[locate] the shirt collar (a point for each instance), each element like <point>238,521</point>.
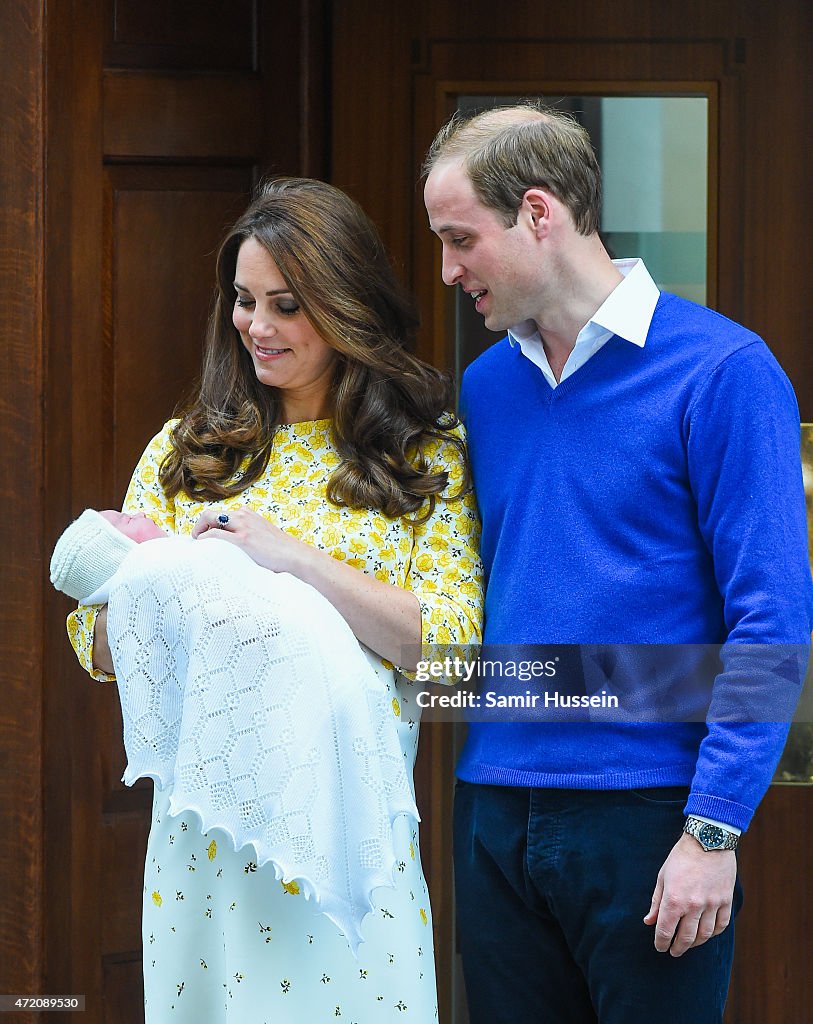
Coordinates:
<point>627,311</point>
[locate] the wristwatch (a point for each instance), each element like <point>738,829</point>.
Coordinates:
<point>711,837</point>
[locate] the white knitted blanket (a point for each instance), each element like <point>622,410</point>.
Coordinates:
<point>246,692</point>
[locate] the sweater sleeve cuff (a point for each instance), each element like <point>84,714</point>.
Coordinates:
<point>726,813</point>
<point>719,824</point>
<point>81,625</point>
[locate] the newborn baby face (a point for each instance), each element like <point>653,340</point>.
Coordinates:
<point>138,527</point>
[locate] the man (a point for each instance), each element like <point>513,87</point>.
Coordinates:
<point>636,463</point>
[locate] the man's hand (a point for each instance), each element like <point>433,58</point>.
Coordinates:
<point>693,896</point>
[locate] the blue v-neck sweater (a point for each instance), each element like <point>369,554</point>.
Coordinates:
<point>653,497</point>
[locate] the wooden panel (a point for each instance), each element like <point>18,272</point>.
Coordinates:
<point>372,101</point>
<point>172,116</point>
<point>588,20</point>
<point>124,990</point>
<point>181,34</point>
<point>159,304</point>
<point>124,840</point>
<point>21,469</point>
<point>772,982</point>
<point>776,211</point>
<point>73,420</point>
<point>118,798</point>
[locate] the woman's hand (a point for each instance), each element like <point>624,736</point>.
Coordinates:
<point>385,618</point>
<point>265,543</point>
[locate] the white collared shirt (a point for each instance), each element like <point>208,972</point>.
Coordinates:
<point>627,311</point>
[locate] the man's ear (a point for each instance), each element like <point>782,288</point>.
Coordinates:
<point>538,205</point>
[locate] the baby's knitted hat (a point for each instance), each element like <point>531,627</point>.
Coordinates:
<point>87,554</point>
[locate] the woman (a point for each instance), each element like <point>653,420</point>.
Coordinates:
<point>320,446</point>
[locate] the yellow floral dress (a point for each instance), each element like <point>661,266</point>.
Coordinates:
<point>224,941</point>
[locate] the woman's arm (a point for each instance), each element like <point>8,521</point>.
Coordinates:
<point>440,602</point>
<point>384,617</point>
<point>102,659</point>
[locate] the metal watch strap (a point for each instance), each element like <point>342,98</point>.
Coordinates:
<point>711,837</point>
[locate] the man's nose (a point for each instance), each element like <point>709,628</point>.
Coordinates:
<point>451,271</point>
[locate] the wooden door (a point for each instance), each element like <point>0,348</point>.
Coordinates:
<point>157,119</point>
<point>403,76</point>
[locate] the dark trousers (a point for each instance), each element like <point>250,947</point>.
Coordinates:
<point>552,886</point>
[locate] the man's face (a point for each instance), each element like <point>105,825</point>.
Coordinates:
<point>490,262</point>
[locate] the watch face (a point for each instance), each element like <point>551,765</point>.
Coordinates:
<point>711,835</point>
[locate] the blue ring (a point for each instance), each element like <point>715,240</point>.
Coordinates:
<point>222,520</point>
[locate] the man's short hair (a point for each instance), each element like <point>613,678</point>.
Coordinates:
<point>507,150</point>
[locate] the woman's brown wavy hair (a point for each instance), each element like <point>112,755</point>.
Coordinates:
<point>387,404</point>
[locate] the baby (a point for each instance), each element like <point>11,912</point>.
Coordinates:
<point>93,547</point>
<point>247,693</point>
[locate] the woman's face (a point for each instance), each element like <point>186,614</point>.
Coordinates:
<point>138,527</point>
<point>286,351</point>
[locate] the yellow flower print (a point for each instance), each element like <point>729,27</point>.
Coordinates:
<point>396,707</point>
<point>424,918</point>
<point>148,474</point>
<point>331,538</point>
<point>424,562</point>
<point>357,563</point>
<point>442,635</point>
<point>292,888</point>
<point>358,547</point>
<point>156,898</point>
<point>387,664</point>
<point>412,850</point>
<point>338,554</point>
<point>152,502</point>
<point>211,850</point>
<point>382,574</point>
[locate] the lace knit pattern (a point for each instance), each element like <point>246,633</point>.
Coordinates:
<point>246,694</point>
